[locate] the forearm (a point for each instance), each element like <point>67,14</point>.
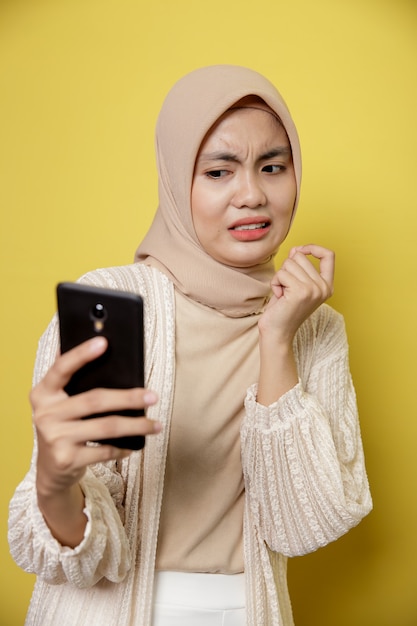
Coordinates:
<point>278,370</point>
<point>103,551</point>
<point>63,513</point>
<point>303,495</point>
<point>298,289</point>
<point>305,450</point>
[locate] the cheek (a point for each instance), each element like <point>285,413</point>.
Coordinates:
<point>288,196</point>
<point>204,205</point>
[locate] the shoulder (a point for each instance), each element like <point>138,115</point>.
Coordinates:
<point>156,289</point>
<point>135,278</point>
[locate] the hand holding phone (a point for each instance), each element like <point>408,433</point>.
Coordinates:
<point>85,312</point>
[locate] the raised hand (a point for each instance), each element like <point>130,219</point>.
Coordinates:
<point>62,434</point>
<point>298,289</point>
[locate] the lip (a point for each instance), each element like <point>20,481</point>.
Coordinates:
<point>254,233</point>
<point>244,221</point>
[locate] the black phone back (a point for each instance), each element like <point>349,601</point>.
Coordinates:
<point>86,312</point>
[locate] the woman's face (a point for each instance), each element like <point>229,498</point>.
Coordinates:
<point>244,188</point>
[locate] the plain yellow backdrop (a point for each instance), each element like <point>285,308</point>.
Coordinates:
<point>81,83</point>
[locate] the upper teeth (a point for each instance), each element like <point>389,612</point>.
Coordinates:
<point>250,226</point>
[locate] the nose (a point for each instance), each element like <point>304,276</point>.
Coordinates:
<point>249,192</point>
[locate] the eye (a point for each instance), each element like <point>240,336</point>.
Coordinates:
<point>273,169</point>
<point>216,173</point>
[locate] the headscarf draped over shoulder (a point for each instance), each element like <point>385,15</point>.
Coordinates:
<point>190,109</point>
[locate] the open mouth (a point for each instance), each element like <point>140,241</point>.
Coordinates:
<point>256,226</point>
<point>247,229</point>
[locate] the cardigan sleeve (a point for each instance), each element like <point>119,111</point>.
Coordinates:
<point>104,550</point>
<point>302,456</point>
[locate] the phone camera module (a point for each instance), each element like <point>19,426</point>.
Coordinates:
<point>99,312</point>
<point>98,315</point>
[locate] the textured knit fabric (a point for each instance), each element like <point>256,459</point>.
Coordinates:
<point>303,465</point>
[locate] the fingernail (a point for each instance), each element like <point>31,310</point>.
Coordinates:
<point>97,344</point>
<point>157,427</point>
<point>150,397</point>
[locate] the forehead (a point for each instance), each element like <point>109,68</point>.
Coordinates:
<point>240,125</point>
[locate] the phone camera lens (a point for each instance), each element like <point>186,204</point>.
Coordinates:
<point>98,311</point>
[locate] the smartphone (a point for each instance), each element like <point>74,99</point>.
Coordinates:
<point>85,312</point>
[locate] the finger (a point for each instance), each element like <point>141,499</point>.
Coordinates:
<point>300,268</point>
<point>67,364</point>
<point>70,461</point>
<point>90,455</point>
<point>97,402</point>
<point>295,272</point>
<point>324,255</point>
<point>64,440</point>
<point>277,287</point>
<point>116,426</point>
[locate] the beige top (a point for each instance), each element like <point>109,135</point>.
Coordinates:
<point>202,509</point>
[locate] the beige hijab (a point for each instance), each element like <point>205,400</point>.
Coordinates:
<point>190,109</point>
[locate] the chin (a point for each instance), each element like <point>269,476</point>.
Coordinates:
<point>247,263</point>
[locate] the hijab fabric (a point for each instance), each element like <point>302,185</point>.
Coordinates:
<point>190,109</point>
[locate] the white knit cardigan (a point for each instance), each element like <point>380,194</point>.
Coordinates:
<point>302,457</point>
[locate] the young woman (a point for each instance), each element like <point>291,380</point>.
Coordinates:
<point>253,451</point>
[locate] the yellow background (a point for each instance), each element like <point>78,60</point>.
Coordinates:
<point>81,83</point>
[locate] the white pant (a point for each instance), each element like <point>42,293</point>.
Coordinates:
<point>183,599</point>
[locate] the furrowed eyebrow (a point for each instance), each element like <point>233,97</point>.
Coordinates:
<point>230,157</point>
<point>218,156</point>
<point>275,152</point>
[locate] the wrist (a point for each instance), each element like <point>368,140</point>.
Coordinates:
<point>276,342</point>
<point>277,334</point>
<point>69,498</point>
<point>278,370</point>
<point>64,514</point>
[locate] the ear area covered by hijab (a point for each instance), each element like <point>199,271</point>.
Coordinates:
<point>190,109</point>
